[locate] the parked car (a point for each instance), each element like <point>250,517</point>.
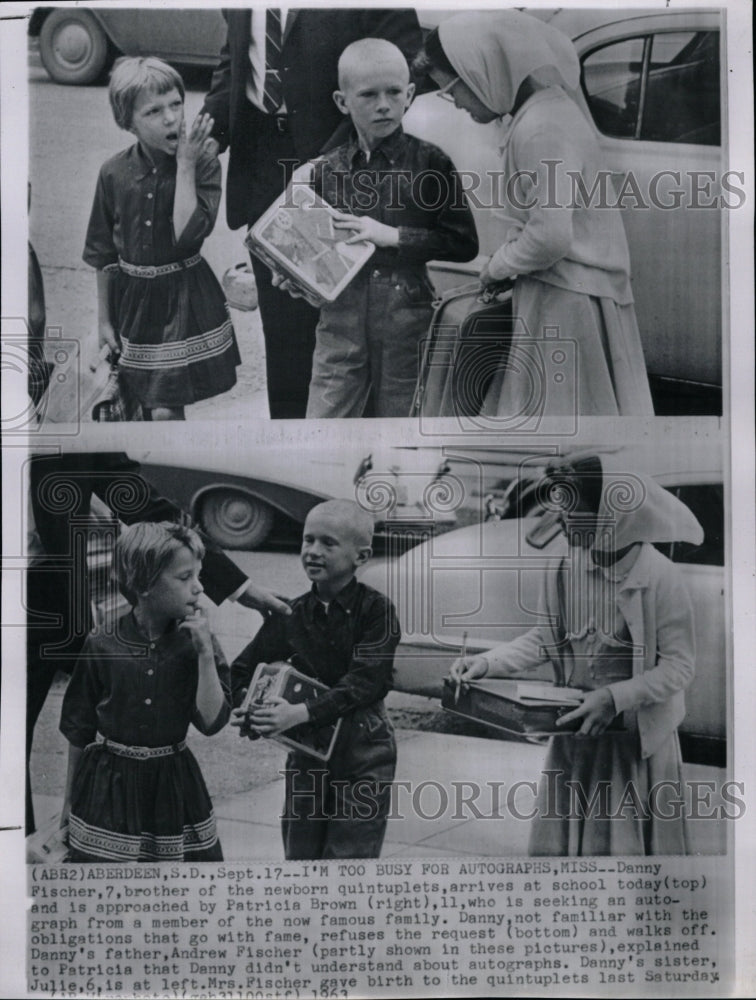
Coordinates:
<point>77,45</point>
<point>652,84</point>
<point>409,490</point>
<point>651,81</point>
<point>484,580</point>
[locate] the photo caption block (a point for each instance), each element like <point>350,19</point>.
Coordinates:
<point>372,929</point>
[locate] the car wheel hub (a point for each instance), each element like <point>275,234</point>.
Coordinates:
<point>237,514</point>
<point>73,45</point>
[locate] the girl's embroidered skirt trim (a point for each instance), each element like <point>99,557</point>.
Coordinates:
<point>129,809</point>
<point>177,340</point>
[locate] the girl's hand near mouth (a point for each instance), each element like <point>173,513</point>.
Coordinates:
<point>190,146</point>
<point>198,628</point>
<point>187,153</point>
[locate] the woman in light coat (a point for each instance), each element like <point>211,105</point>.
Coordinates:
<point>562,236</point>
<point>618,624</point>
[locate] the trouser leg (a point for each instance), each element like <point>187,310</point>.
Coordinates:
<point>340,809</point>
<point>340,370</point>
<point>289,332</point>
<point>304,822</point>
<point>399,319</point>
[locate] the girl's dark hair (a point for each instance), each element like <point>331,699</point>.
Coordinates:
<point>432,57</point>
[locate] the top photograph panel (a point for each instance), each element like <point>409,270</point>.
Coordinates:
<point>515,219</point>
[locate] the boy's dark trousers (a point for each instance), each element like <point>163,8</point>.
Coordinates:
<point>339,808</point>
<point>368,344</point>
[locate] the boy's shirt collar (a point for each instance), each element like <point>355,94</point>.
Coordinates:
<point>346,598</point>
<point>391,147</point>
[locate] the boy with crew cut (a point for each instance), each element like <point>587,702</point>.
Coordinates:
<point>403,195</point>
<point>344,634</point>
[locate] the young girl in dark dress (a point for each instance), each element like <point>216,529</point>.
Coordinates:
<point>159,303</point>
<point>137,794</point>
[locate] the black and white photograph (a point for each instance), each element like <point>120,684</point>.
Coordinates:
<point>596,167</point>
<point>409,653</point>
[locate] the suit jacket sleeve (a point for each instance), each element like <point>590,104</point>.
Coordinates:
<point>117,480</point>
<point>218,100</point>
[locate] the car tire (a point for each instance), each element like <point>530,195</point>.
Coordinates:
<point>236,520</point>
<point>73,47</point>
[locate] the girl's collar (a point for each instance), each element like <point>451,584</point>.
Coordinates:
<point>155,158</point>
<point>144,631</point>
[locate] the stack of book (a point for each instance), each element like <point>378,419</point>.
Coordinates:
<point>522,708</point>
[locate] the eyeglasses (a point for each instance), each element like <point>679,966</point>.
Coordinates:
<point>445,93</point>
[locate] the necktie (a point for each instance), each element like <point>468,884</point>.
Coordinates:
<point>272,89</point>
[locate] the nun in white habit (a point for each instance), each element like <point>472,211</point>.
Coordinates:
<point>566,249</point>
<point>617,623</point>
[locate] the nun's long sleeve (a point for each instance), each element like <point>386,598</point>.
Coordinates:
<point>558,208</point>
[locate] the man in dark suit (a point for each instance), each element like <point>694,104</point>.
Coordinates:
<point>59,614</point>
<point>271,99</point>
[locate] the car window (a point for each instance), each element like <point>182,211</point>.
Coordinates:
<point>612,83</point>
<point>681,102</point>
<point>706,500</point>
<point>662,87</point>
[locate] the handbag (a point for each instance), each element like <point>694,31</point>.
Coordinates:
<point>115,403</point>
<point>238,283</point>
<point>49,845</point>
<point>468,341</point>
<point>79,392</point>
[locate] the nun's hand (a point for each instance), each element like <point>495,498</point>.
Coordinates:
<point>596,710</point>
<point>493,274</point>
<point>468,668</point>
<point>485,276</point>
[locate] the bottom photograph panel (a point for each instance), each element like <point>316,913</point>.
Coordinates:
<point>348,721</point>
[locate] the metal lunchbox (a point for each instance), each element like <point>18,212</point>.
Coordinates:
<point>282,680</point>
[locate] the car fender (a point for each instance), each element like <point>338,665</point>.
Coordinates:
<point>40,14</point>
<point>188,487</point>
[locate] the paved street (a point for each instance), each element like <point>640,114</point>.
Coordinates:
<point>72,133</point>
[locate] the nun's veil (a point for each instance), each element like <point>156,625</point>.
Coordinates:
<point>493,52</point>
<point>632,507</point>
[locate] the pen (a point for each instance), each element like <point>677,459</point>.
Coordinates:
<point>463,658</point>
